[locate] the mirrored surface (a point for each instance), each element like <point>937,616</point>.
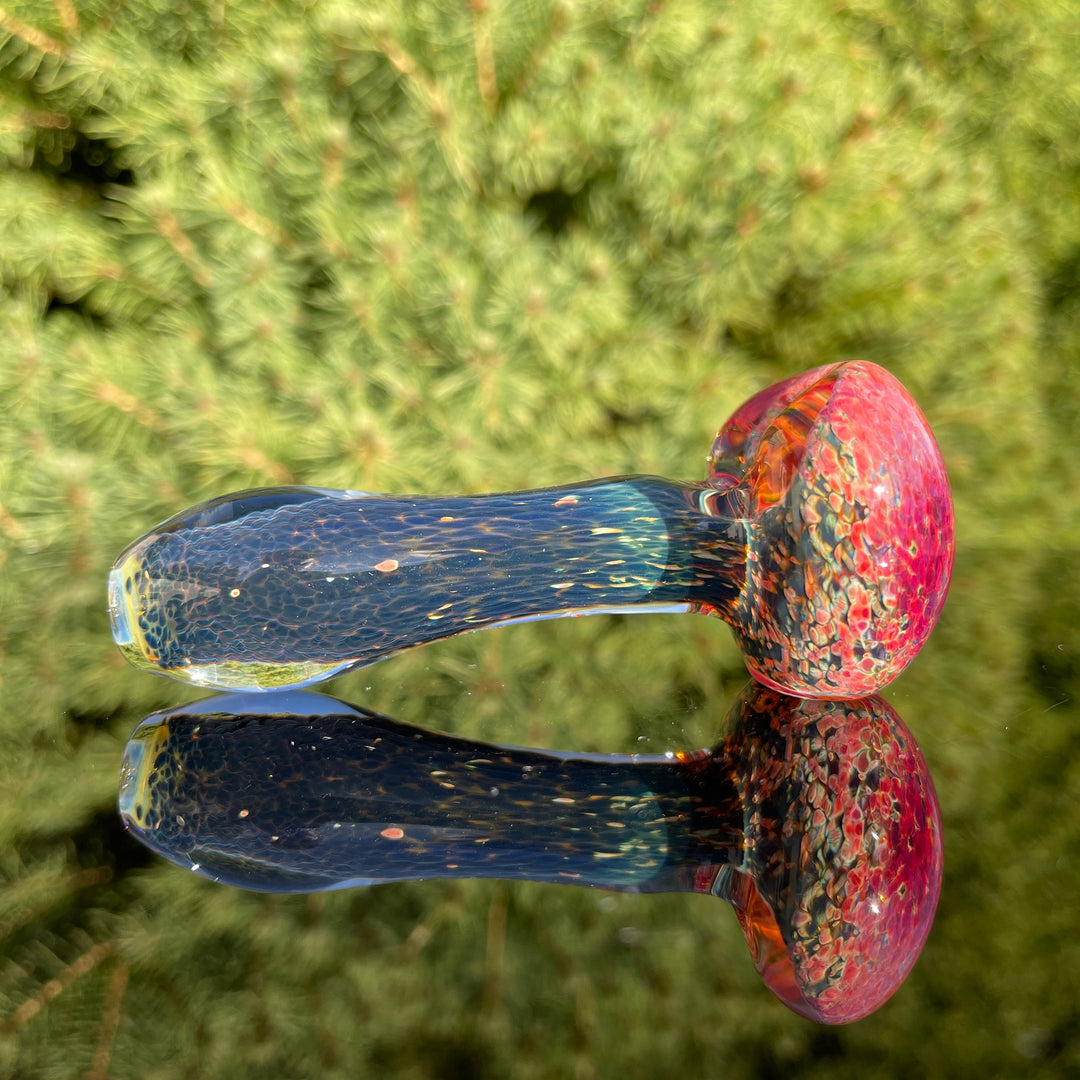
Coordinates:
<point>817,820</point>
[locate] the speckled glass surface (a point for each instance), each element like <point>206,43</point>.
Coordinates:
<point>817,820</point>
<point>824,536</point>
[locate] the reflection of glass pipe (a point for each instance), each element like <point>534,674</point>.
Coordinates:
<point>824,536</point>
<point>817,820</point>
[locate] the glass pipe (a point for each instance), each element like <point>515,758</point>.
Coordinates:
<point>817,820</point>
<point>823,535</point>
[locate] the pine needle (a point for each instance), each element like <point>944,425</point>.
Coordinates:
<point>79,967</point>
<point>37,38</point>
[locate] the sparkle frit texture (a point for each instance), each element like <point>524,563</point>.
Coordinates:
<point>844,843</point>
<point>823,535</point>
<point>851,543</point>
<point>817,820</point>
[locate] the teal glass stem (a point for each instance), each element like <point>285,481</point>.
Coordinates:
<point>291,586</point>
<point>823,534</point>
<point>816,820</point>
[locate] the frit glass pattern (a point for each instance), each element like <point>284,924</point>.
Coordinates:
<point>817,820</point>
<point>823,535</point>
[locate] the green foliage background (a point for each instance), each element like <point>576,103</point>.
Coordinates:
<point>448,246</point>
